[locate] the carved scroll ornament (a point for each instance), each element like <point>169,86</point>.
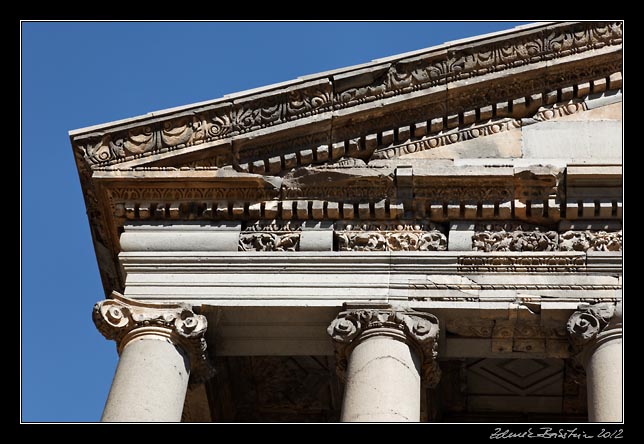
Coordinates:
<point>123,320</point>
<point>421,330</point>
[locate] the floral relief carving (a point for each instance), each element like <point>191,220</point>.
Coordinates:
<point>272,235</point>
<point>266,241</point>
<point>390,237</point>
<point>590,240</point>
<point>514,241</point>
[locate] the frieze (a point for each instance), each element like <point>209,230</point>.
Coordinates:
<point>497,237</point>
<point>269,241</point>
<point>590,241</point>
<point>390,237</point>
<point>272,235</point>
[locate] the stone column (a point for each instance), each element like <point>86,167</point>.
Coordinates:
<point>596,332</point>
<point>383,355</point>
<point>160,346</point>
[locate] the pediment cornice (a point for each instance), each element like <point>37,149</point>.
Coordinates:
<point>331,146</point>
<point>450,83</point>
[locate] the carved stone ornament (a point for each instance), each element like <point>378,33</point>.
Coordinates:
<point>271,236</point>
<point>122,320</point>
<point>390,237</point>
<point>513,238</point>
<point>263,241</point>
<point>421,330</point>
<point>586,323</point>
<point>590,240</point>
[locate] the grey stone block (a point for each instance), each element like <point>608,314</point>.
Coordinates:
<point>573,140</point>
<point>460,236</point>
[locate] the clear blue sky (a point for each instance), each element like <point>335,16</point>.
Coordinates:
<point>80,74</point>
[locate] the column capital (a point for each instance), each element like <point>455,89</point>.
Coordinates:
<point>125,320</point>
<point>418,329</point>
<point>592,325</point>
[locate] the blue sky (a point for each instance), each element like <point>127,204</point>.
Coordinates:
<point>76,74</point>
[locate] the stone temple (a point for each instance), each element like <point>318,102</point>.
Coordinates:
<point>434,236</point>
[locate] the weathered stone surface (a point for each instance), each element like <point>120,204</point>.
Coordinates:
<point>501,145</point>
<point>573,139</point>
<point>480,181</point>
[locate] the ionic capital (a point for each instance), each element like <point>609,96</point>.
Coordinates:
<point>418,329</point>
<point>592,325</point>
<point>125,320</point>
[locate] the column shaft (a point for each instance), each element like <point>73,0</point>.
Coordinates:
<point>150,383</point>
<point>604,380</point>
<point>383,381</point>
<point>383,354</point>
<point>596,330</point>
<point>160,345</point>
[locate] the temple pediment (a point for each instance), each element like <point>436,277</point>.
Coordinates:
<point>451,132</point>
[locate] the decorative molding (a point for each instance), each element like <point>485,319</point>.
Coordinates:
<point>519,264</point>
<point>474,60</point>
<point>270,236</point>
<point>449,137</point>
<point>269,241</point>
<point>514,241</point>
<point>356,189</point>
<point>517,286</point>
<point>390,237</point>
<point>224,119</point>
<point>220,192</point>
<point>524,237</point>
<point>421,330</point>
<point>328,120</point>
<point>590,241</point>
<point>122,320</point>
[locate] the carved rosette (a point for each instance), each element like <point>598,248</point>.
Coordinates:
<point>123,320</point>
<point>420,329</point>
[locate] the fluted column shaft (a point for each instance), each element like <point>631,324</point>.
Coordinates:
<point>159,345</point>
<point>383,356</point>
